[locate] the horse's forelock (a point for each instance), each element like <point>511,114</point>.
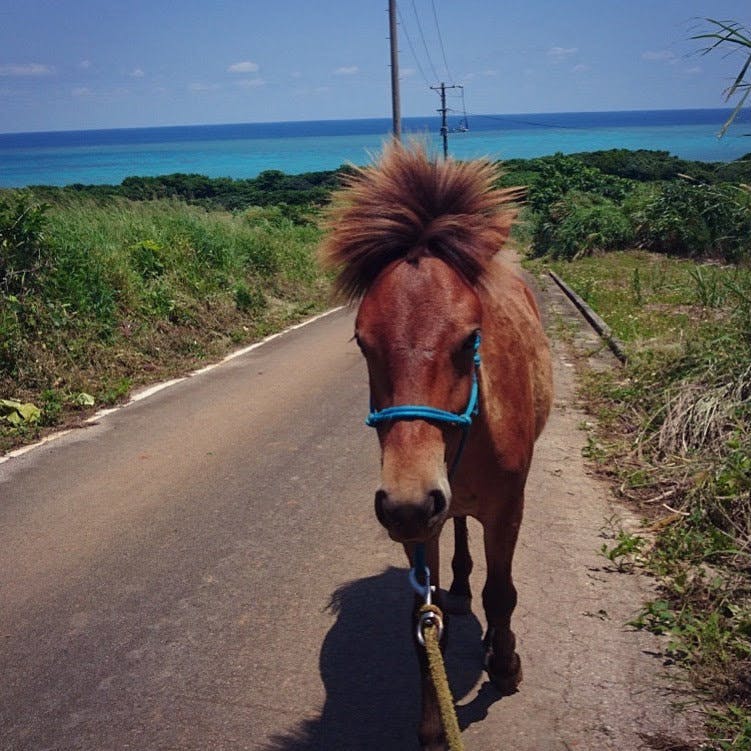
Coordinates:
<point>405,206</point>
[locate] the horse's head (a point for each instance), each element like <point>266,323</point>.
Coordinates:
<point>412,238</point>
<point>417,326</point>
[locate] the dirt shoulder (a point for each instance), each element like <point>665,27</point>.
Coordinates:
<point>591,681</point>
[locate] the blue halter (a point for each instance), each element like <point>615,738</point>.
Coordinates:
<point>421,412</point>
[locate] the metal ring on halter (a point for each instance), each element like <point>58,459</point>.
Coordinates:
<point>429,619</point>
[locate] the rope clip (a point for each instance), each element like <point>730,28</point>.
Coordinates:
<point>430,615</point>
<point>429,618</point>
<point>422,590</point>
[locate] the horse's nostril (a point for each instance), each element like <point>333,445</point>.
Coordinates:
<point>380,498</point>
<point>438,500</point>
<point>407,518</point>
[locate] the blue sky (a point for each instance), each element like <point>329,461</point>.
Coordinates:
<point>78,64</point>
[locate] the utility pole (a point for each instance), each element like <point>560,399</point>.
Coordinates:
<point>443,110</point>
<point>396,116</point>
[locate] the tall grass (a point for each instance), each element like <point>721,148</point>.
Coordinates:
<point>101,294</point>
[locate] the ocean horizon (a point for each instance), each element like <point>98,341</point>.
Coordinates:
<point>244,150</point>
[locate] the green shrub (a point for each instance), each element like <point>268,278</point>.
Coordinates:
<point>79,280</point>
<point>23,244</point>
<point>580,223</point>
<point>148,258</point>
<point>560,174</point>
<point>697,220</point>
<point>574,208</point>
<point>247,299</point>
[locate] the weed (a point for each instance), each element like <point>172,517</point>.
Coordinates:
<point>709,290</point>
<point>593,449</point>
<point>657,617</point>
<point>626,552</point>
<point>112,392</point>
<point>636,286</point>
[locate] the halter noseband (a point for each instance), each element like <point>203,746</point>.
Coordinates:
<point>421,412</point>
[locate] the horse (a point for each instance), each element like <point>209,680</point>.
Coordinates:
<point>415,242</point>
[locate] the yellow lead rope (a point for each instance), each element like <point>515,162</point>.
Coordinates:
<point>440,681</point>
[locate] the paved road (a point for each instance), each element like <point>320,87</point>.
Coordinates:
<point>202,570</point>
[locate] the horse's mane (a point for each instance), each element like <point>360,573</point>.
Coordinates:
<point>406,206</point>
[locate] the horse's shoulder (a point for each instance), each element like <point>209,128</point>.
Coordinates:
<point>511,321</point>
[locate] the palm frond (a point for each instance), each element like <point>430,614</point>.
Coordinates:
<point>730,33</point>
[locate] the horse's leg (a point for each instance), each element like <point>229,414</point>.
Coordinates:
<point>499,600</point>
<point>459,598</point>
<point>430,733</point>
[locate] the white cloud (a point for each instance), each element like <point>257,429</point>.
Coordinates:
<point>295,74</point>
<point>558,54</point>
<point>84,64</point>
<point>488,73</point>
<point>202,87</point>
<point>406,72</point>
<point>26,69</point>
<point>665,56</point>
<point>251,83</point>
<point>347,70</point>
<point>82,91</point>
<point>694,71</point>
<point>137,73</point>
<point>580,68</point>
<point>244,66</point>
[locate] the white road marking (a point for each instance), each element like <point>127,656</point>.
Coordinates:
<point>145,393</point>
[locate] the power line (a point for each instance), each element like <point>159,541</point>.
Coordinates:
<point>412,49</point>
<point>440,39</point>
<point>424,43</point>
<point>528,122</point>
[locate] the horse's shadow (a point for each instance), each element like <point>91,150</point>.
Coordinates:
<point>369,670</point>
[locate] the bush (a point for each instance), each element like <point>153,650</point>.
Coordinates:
<point>575,208</point>
<point>23,245</point>
<point>560,174</point>
<point>697,220</point>
<point>580,223</point>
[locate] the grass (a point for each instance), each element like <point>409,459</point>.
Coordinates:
<point>103,295</point>
<point>673,433</point>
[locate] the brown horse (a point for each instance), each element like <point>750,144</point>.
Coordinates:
<point>415,242</point>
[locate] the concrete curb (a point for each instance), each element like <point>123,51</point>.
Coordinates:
<point>593,319</point>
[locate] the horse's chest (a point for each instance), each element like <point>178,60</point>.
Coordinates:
<point>464,503</point>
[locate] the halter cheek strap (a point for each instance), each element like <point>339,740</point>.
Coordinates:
<point>433,414</point>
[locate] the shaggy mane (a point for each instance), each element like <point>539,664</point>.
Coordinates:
<point>406,206</point>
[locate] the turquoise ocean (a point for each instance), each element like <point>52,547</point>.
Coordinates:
<point>246,150</point>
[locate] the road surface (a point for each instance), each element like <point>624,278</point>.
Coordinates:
<point>203,570</point>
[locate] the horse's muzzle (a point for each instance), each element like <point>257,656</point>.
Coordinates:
<point>410,521</point>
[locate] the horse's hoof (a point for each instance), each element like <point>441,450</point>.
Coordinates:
<point>508,679</point>
<point>455,604</point>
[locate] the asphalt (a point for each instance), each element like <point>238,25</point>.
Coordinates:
<point>203,570</point>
